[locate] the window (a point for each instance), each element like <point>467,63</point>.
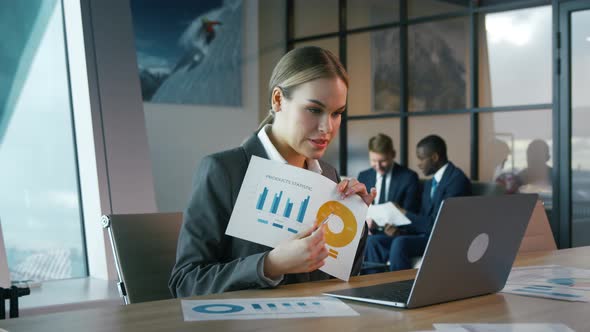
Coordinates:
<point>515,52</point>
<point>364,13</point>
<point>438,62</point>
<point>359,133</point>
<point>373,65</point>
<point>518,158</point>
<point>40,206</point>
<point>454,129</point>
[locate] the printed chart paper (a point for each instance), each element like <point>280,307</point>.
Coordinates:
<point>550,281</point>
<point>278,201</point>
<point>265,308</point>
<point>387,214</point>
<point>516,327</point>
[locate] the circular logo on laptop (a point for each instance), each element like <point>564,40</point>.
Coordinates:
<point>478,247</point>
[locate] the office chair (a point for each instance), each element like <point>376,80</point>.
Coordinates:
<point>144,248</point>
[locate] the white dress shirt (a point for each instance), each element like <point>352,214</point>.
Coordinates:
<point>387,184</point>
<point>439,174</point>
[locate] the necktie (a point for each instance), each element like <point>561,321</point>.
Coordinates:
<point>433,187</point>
<point>382,192</point>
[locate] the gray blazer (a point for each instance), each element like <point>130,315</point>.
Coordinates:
<point>207,260</point>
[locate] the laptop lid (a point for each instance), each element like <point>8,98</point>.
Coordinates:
<point>470,252</point>
<point>471,248</point>
<point>4,272</point>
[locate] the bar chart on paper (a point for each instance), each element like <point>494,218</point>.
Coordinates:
<point>265,308</point>
<point>282,209</point>
<point>278,202</point>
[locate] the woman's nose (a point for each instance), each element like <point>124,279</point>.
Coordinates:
<point>326,124</point>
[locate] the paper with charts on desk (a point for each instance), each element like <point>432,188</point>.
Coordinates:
<point>278,201</point>
<point>265,308</point>
<point>514,327</point>
<point>550,281</point>
<point>387,213</point>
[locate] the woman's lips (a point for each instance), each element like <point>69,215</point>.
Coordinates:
<point>319,143</point>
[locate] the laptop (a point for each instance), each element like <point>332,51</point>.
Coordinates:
<point>470,252</point>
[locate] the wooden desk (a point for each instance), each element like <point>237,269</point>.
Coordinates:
<point>496,308</point>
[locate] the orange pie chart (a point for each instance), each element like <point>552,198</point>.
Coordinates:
<point>349,230</point>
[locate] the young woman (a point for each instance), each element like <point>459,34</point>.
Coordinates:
<point>308,90</point>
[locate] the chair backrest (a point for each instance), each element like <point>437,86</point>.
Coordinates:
<point>144,247</point>
<point>538,235</point>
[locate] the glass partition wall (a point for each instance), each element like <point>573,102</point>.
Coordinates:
<point>477,73</point>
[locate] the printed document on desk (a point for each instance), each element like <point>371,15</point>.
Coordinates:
<point>515,327</point>
<point>387,213</point>
<point>265,308</point>
<point>278,201</point>
<point>550,281</point>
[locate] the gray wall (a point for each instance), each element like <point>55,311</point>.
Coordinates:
<point>180,135</point>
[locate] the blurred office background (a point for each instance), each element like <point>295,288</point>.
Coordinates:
<point>503,82</point>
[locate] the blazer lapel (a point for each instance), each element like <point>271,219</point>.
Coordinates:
<point>442,185</point>
<point>254,147</point>
<point>392,187</point>
<point>372,180</point>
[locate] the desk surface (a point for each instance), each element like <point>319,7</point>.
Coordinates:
<point>496,308</point>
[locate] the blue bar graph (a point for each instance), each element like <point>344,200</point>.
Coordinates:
<point>286,307</point>
<point>288,208</point>
<point>261,199</point>
<point>275,202</point>
<point>302,209</point>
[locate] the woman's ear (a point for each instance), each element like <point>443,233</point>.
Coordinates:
<point>276,99</point>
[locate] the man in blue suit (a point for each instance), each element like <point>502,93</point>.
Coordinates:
<point>410,240</point>
<point>393,182</point>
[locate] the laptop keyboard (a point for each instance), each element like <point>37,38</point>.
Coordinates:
<point>399,292</point>
<point>393,292</point>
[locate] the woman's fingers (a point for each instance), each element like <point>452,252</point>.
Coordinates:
<point>305,233</point>
<point>342,185</point>
<point>373,195</point>
<point>352,186</point>
<point>318,235</point>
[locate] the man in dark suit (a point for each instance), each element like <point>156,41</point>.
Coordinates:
<point>410,240</point>
<point>394,182</point>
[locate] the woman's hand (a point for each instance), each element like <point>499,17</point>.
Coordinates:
<point>304,253</point>
<point>353,186</point>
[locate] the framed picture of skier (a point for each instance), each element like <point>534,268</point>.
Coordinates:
<point>189,52</point>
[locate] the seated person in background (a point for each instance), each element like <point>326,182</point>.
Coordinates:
<point>307,93</point>
<point>536,177</point>
<point>393,182</point>
<point>410,241</point>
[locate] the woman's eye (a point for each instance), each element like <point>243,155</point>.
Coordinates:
<point>337,114</point>
<point>314,110</point>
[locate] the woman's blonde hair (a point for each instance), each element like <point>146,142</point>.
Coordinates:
<point>302,65</point>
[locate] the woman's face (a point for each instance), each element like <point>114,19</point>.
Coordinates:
<point>310,119</point>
